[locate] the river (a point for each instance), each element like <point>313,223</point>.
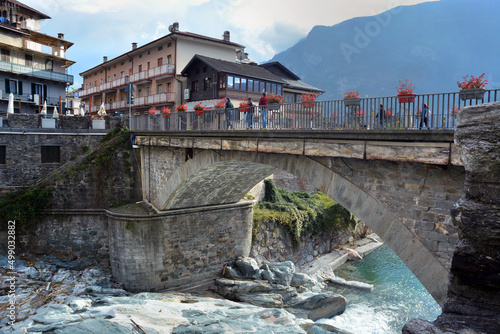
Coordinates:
<point>397,296</point>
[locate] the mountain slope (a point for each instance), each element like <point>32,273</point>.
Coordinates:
<point>432,44</point>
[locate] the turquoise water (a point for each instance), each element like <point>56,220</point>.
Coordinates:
<point>397,296</point>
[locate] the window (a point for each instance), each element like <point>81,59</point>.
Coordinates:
<point>230,82</point>
<point>122,63</point>
<point>140,68</point>
<point>206,84</point>
<point>50,154</point>
<point>28,60</point>
<point>122,74</point>
<point>139,93</point>
<point>149,65</point>
<point>160,48</point>
<point>159,89</point>
<point>149,52</point>
<point>250,85</point>
<point>5,55</point>
<point>169,87</point>
<point>222,81</point>
<point>140,56</point>
<point>243,84</point>
<point>169,59</point>
<point>273,87</point>
<point>195,86</point>
<point>268,87</point>
<point>13,86</point>
<point>204,69</point>
<point>160,62</point>
<point>236,83</point>
<point>169,44</point>
<point>3,150</point>
<point>256,86</point>
<point>148,91</point>
<point>280,87</point>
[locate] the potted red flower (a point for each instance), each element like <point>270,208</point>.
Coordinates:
<point>153,111</point>
<point>472,88</point>
<point>219,106</point>
<point>244,106</point>
<point>308,100</point>
<point>405,92</point>
<point>198,109</point>
<point>165,111</point>
<point>274,101</point>
<point>182,107</point>
<point>352,99</point>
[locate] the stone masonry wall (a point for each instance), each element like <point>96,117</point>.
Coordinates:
<point>23,155</point>
<point>163,251</point>
<point>273,244</point>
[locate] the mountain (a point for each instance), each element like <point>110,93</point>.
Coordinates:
<point>433,44</point>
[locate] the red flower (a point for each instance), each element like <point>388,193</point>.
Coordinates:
<point>406,87</point>
<point>473,82</point>
<point>351,94</point>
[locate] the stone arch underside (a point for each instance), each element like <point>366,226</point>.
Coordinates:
<point>214,177</point>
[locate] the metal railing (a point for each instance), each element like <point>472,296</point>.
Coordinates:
<point>35,72</point>
<point>361,113</point>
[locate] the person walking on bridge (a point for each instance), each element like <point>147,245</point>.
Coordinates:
<point>229,112</point>
<point>424,116</point>
<point>263,110</point>
<point>250,113</point>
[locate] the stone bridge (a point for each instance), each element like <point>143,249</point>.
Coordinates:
<point>401,184</point>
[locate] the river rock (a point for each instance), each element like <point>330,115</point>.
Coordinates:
<point>247,267</point>
<point>322,305</point>
<point>283,270</point>
<point>268,300</point>
<point>473,303</point>
<point>238,290</point>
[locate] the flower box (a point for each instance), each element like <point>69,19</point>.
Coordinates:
<point>198,113</point>
<point>472,94</point>
<point>273,106</point>
<point>308,104</point>
<point>352,101</point>
<point>406,98</point>
<point>219,110</point>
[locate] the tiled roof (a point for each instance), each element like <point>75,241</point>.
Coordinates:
<point>297,84</point>
<point>230,67</point>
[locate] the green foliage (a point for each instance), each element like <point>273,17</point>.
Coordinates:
<point>301,213</point>
<point>24,206</point>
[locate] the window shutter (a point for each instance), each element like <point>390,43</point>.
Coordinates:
<point>7,86</point>
<point>20,87</point>
<point>33,89</point>
<point>44,93</point>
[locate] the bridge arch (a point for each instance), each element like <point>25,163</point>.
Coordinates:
<point>221,177</point>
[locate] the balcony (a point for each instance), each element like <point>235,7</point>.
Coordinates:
<point>153,73</point>
<point>138,102</point>
<point>115,84</point>
<point>35,72</point>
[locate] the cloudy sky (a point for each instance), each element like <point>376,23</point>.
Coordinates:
<point>265,27</point>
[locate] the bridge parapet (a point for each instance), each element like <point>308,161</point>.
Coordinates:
<point>405,146</point>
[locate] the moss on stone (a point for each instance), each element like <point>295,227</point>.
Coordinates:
<point>301,213</point>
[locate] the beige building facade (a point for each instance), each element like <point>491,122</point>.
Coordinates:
<point>154,70</point>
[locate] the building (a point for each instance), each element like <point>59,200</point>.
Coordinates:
<point>211,79</point>
<point>293,88</point>
<point>32,64</point>
<point>154,70</point>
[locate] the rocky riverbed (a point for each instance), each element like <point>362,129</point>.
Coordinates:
<point>68,295</point>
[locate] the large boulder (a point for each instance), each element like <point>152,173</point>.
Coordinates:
<point>283,270</point>
<point>248,267</point>
<point>473,303</point>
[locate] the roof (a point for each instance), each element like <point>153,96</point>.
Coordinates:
<point>297,84</point>
<point>172,35</point>
<point>230,67</point>
<point>281,67</point>
<point>28,8</point>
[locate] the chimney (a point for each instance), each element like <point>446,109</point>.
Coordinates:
<point>174,27</point>
<point>134,46</point>
<point>60,35</point>
<point>104,59</point>
<point>226,36</point>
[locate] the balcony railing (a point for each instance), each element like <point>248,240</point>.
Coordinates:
<point>168,69</point>
<point>35,72</point>
<point>164,70</point>
<point>151,100</point>
<point>334,115</point>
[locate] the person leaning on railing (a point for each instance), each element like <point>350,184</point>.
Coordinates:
<point>229,112</point>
